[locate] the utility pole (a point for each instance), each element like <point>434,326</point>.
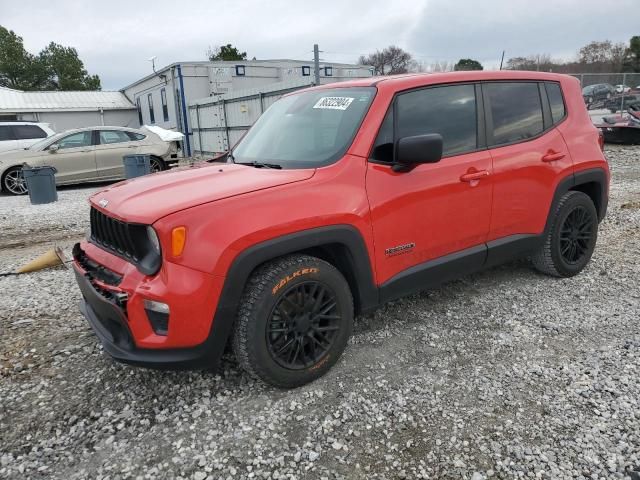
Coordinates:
<point>502,60</point>
<point>316,63</point>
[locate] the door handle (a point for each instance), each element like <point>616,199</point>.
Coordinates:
<point>552,156</point>
<point>132,146</point>
<point>471,176</point>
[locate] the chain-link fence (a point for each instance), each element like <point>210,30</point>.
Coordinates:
<point>610,92</point>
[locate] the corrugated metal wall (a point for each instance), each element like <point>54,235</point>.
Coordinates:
<point>219,124</point>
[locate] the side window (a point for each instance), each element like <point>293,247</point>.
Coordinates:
<point>113,136</point>
<point>25,132</point>
<point>6,133</point>
<point>152,118</point>
<point>135,136</point>
<point>139,107</point>
<point>80,139</point>
<point>554,93</point>
<point>165,108</point>
<point>516,110</point>
<point>383,146</point>
<point>448,110</point>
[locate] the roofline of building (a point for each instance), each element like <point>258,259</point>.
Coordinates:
<point>234,62</point>
<point>39,109</point>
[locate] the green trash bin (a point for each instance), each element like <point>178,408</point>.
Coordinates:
<point>136,165</point>
<point>41,184</point>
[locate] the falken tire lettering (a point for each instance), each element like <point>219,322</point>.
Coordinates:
<point>288,278</point>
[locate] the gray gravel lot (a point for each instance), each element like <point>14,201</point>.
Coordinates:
<point>503,374</point>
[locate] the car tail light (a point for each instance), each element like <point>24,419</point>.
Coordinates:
<point>601,139</point>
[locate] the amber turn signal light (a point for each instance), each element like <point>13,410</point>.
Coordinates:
<point>178,239</point>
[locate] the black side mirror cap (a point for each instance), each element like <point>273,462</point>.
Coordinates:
<point>417,149</point>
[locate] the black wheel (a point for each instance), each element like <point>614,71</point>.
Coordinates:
<point>156,165</point>
<point>13,182</point>
<point>294,320</point>
<point>571,239</point>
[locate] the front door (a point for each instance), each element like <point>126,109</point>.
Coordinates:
<point>433,210</point>
<point>74,158</point>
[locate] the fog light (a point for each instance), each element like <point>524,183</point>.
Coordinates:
<point>158,315</point>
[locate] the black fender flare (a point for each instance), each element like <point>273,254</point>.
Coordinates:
<point>246,261</point>
<point>592,175</point>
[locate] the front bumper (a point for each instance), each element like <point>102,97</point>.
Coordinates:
<point>115,313</point>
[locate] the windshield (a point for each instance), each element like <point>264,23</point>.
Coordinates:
<point>41,144</point>
<point>306,130</point>
<point>589,89</point>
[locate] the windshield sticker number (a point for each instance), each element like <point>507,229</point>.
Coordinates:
<point>334,103</point>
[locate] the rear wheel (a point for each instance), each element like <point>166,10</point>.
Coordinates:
<point>294,321</point>
<point>13,182</point>
<point>156,165</point>
<point>571,239</point>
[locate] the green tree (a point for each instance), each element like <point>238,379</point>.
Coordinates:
<point>65,71</point>
<point>632,56</point>
<point>467,64</point>
<point>225,52</point>
<point>54,68</point>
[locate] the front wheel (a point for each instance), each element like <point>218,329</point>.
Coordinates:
<point>571,239</point>
<point>13,182</point>
<point>294,320</point>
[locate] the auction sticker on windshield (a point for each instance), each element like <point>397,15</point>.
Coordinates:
<point>334,103</point>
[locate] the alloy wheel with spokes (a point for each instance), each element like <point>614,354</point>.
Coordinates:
<point>576,234</point>
<point>303,325</point>
<point>14,182</point>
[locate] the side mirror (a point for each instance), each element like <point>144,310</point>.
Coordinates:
<point>417,149</point>
<point>53,148</point>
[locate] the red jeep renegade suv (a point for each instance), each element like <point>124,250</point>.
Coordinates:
<point>338,199</point>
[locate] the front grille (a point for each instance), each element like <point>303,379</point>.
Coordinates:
<point>114,235</point>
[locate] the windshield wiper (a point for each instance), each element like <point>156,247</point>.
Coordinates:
<point>260,165</point>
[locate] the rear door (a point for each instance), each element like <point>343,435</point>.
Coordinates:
<point>111,146</point>
<point>27,135</point>
<point>529,154</point>
<point>74,160</point>
<point>7,138</point>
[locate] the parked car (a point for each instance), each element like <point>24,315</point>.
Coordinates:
<point>86,155</point>
<point>338,199</point>
<point>20,135</point>
<point>599,92</point>
<point>622,88</point>
<point>621,102</point>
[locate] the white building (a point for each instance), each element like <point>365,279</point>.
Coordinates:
<point>67,110</point>
<point>163,98</point>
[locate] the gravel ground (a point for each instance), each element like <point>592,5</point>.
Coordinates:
<point>503,374</point>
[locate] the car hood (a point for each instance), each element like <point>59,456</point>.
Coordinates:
<point>149,198</point>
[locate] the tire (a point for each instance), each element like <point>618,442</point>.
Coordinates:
<point>570,241</point>
<point>13,182</point>
<point>157,165</point>
<point>280,335</point>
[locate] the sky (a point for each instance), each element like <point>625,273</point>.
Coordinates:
<point>115,39</point>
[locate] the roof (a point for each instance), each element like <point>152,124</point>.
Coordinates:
<point>411,80</point>
<point>258,63</point>
<point>72,101</point>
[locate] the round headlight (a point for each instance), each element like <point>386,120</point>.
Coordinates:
<point>153,239</point>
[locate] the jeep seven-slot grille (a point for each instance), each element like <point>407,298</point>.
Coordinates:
<point>113,234</point>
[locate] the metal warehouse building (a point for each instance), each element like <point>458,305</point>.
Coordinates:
<point>164,97</point>
<point>66,110</point>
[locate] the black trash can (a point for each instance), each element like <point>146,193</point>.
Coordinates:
<point>136,165</point>
<point>41,184</point>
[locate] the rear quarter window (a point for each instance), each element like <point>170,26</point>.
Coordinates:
<point>556,102</point>
<point>26,132</point>
<point>6,133</point>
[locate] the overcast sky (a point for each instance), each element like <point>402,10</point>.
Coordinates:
<point>116,38</point>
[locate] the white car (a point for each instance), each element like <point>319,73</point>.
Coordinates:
<point>623,88</point>
<point>21,135</point>
<point>93,154</point>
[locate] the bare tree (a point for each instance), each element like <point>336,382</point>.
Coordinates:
<point>390,61</point>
